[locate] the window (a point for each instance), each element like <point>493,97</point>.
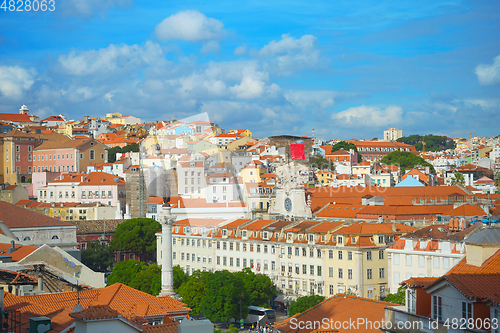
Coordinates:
<point>466,310</point>
<point>411,301</point>
<point>304,252</point>
<point>437,307</point>
<point>408,260</point>
<point>319,253</point>
<point>436,262</point>
<point>349,255</point>
<point>381,254</point>
<point>297,251</point>
<point>421,261</point>
<point>396,259</point>
<point>304,269</point>
<point>349,273</point>
<point>341,273</point>
<point>330,271</point>
<point>237,262</point>
<point>92,154</point>
<point>340,254</point>
<point>369,255</point>
<point>369,274</point>
<point>381,273</point>
<point>330,254</point>
<point>218,260</point>
<point>311,269</point>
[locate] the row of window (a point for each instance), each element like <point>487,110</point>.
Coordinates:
<point>369,273</point>
<point>421,261</point>
<point>95,194</point>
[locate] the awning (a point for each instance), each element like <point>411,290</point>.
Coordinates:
<point>280,298</point>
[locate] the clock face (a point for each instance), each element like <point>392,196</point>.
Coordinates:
<point>288,204</point>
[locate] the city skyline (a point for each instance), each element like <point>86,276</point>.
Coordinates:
<point>346,70</point>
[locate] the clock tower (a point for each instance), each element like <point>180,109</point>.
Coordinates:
<point>290,193</point>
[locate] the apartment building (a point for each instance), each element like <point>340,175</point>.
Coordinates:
<point>95,187</point>
<point>429,252</point>
<point>300,257</point>
<point>191,179</point>
<point>376,150</point>
<point>68,155</point>
<point>392,134</point>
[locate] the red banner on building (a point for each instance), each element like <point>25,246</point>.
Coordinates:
<point>297,151</point>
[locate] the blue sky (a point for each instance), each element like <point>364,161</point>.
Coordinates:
<point>348,69</point>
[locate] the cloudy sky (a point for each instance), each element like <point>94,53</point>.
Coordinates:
<point>348,69</point>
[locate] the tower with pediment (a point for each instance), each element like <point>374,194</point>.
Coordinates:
<point>290,192</point>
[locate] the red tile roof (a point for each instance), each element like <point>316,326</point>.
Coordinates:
<point>338,308</point>
<point>18,217</point>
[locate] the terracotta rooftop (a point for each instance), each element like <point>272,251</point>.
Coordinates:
<point>338,308</point>
<point>18,217</point>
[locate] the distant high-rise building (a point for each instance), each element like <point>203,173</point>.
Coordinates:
<point>392,134</point>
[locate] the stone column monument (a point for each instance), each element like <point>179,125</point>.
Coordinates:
<point>167,273</point>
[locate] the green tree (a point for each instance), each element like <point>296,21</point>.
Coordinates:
<point>398,297</point>
<point>304,303</point>
<point>193,291</point>
<point>180,277</point>
<point>138,275</point>
<point>125,272</point>
<point>458,178</point>
<point>432,142</point>
<point>405,159</point>
<point>321,163</point>
<point>259,287</point>
<point>347,146</point>
<point>136,235</point>
<point>223,294</point>
<point>148,280</point>
<point>98,257</point>
<point>133,147</point>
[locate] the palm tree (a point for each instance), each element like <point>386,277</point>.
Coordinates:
<point>458,178</point>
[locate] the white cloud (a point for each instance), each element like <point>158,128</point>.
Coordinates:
<point>15,80</point>
<point>287,44</point>
<point>209,47</point>
<point>251,86</point>
<point>88,8</point>
<point>291,55</point>
<point>308,99</point>
<point>240,50</point>
<point>190,25</point>
<point>369,116</point>
<point>80,94</point>
<point>488,75</point>
<point>112,58</point>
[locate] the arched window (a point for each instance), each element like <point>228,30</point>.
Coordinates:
<point>55,237</point>
<point>27,238</point>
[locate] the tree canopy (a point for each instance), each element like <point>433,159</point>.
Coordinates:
<point>133,147</point>
<point>138,275</point>
<point>321,163</point>
<point>398,297</point>
<point>347,146</point>
<point>193,291</point>
<point>432,142</point>
<point>259,287</point>
<point>405,159</point>
<point>180,277</point>
<point>98,257</point>
<point>223,294</point>
<point>304,303</point>
<point>136,235</point>
<point>458,178</point>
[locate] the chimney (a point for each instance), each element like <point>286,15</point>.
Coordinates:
<point>12,247</point>
<point>86,118</point>
<point>381,220</point>
<point>394,227</point>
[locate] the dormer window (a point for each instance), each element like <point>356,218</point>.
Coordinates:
<point>289,236</point>
<point>380,239</point>
<point>340,239</point>
<point>224,232</point>
<point>310,238</point>
<point>264,235</point>
<point>176,229</point>
<point>323,237</point>
<point>243,233</point>
<point>195,230</point>
<point>255,233</point>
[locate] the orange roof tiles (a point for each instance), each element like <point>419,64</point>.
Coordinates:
<point>18,217</point>
<point>466,210</point>
<point>489,266</point>
<point>21,251</point>
<point>338,308</point>
<point>257,225</point>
